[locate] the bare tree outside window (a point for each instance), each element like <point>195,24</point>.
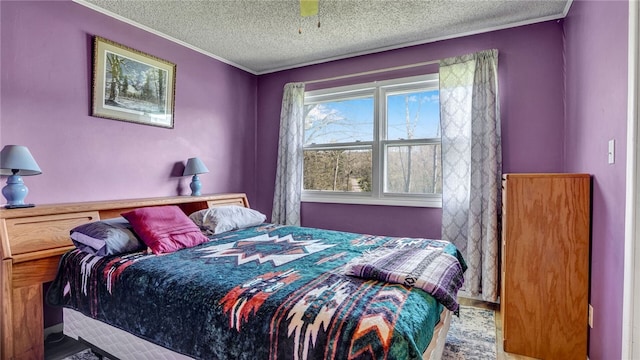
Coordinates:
<point>381,139</point>
<point>413,167</point>
<point>335,158</point>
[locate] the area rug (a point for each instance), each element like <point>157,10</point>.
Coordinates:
<point>83,355</point>
<point>471,336</point>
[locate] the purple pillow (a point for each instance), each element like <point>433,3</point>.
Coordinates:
<point>165,229</point>
<point>106,237</point>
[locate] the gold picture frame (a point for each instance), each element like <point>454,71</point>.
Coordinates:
<point>130,85</point>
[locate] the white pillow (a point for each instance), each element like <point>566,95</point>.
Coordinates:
<point>219,219</point>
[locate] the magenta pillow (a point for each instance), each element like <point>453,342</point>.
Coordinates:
<point>164,229</point>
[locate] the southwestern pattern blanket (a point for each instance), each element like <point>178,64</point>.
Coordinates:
<point>266,292</point>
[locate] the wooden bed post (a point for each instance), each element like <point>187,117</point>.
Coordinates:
<point>6,322</point>
<point>28,322</point>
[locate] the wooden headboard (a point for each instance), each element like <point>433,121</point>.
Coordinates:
<point>31,243</point>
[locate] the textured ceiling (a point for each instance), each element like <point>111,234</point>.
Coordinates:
<point>262,36</point>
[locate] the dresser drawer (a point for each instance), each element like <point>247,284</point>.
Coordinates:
<point>44,232</point>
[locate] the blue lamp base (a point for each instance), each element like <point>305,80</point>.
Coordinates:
<point>195,185</point>
<point>15,191</point>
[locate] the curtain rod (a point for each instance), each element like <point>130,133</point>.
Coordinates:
<point>372,72</point>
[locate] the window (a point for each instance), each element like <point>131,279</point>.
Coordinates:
<point>374,143</point>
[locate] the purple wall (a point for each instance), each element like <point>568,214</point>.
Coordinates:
<point>596,110</point>
<point>45,94</point>
<point>46,91</point>
<point>531,91</point>
<point>45,63</point>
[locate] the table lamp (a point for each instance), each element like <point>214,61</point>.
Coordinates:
<point>15,161</point>
<point>194,167</point>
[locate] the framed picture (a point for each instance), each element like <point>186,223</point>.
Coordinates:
<point>130,85</point>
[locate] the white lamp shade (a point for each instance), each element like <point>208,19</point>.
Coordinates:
<point>194,166</point>
<point>18,157</point>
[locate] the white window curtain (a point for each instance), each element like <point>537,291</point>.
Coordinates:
<point>472,166</point>
<point>286,197</point>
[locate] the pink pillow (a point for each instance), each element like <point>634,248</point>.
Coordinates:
<point>164,229</point>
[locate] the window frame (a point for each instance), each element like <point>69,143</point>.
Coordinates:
<point>378,90</point>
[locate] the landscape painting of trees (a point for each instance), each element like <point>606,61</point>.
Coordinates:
<point>132,86</point>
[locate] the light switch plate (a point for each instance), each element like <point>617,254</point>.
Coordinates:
<point>612,151</point>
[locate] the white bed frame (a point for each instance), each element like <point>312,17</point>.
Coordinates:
<point>116,343</point>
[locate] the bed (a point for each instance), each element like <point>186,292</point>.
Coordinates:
<point>262,291</point>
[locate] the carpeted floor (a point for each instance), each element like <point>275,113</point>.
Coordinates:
<point>472,335</point>
<point>83,355</point>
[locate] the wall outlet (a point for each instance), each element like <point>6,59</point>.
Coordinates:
<point>612,151</point>
<point>590,316</point>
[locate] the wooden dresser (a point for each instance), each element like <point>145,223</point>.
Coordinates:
<point>31,243</point>
<point>545,265</point>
